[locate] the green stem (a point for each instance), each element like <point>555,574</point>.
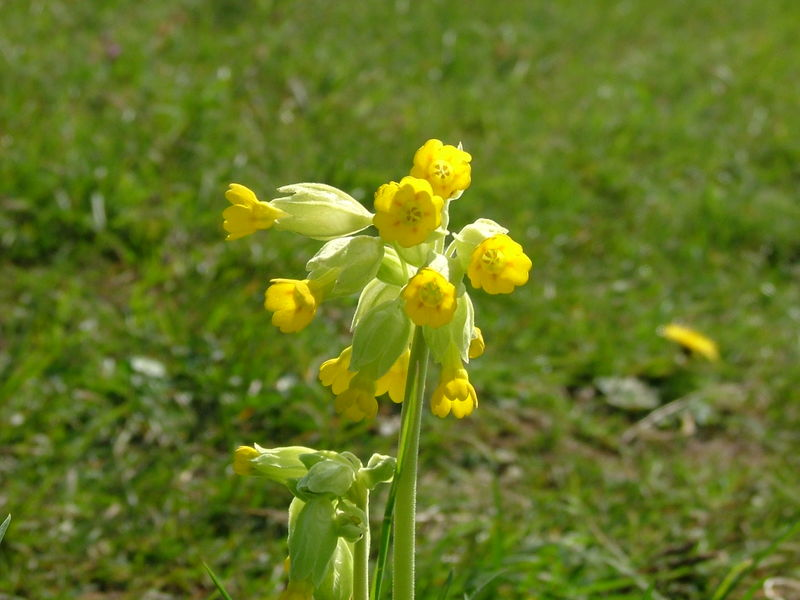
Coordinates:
<point>406,477</point>
<point>418,356</point>
<point>361,559</point>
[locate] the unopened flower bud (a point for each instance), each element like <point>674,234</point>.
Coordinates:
<point>277,464</point>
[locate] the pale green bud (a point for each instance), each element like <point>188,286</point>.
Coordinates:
<point>320,211</point>
<point>375,292</point>
<point>457,334</point>
<point>277,464</point>
<point>380,337</point>
<point>352,261</point>
<point>330,476</point>
<point>312,541</point>
<point>379,469</point>
<point>416,255</point>
<point>466,240</point>
<point>391,269</point>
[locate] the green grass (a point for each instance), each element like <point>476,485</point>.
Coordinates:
<point>646,156</point>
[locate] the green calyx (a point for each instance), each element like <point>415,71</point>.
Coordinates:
<point>351,262</point>
<point>320,211</point>
<point>380,337</point>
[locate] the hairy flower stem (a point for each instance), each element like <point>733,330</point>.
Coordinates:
<point>361,559</point>
<point>406,476</point>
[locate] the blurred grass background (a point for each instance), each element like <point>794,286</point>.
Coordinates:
<point>645,154</point>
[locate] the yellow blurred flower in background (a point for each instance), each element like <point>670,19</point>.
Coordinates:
<point>691,340</point>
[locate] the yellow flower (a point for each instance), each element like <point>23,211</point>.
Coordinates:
<point>454,393</point>
<point>358,400</point>
<point>430,298</point>
<point>498,264</point>
<point>476,345</point>
<point>393,381</point>
<point>335,372</point>
<point>407,212</point>
<point>445,167</point>
<point>691,340</point>
<point>242,460</point>
<point>293,302</point>
<point>248,213</point>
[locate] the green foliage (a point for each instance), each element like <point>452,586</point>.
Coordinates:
<point>644,154</point>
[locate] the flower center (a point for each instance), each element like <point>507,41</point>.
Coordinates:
<point>493,260</point>
<point>413,215</point>
<point>442,170</point>
<point>430,294</point>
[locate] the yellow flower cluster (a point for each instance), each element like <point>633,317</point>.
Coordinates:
<point>408,276</point>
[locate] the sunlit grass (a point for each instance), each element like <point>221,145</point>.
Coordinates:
<point>644,154</point>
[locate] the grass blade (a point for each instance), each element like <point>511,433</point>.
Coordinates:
<point>486,582</point>
<point>4,526</point>
<point>446,587</point>
<point>739,570</point>
<point>217,582</point>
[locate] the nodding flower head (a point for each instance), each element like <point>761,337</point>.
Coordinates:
<point>293,303</point>
<point>393,382</point>
<point>429,299</point>
<point>335,372</point>
<point>407,212</point>
<point>247,213</point>
<point>447,168</point>
<point>358,402</point>
<point>454,394</point>
<point>498,265</point>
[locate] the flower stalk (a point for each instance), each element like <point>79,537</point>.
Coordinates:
<point>406,477</point>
